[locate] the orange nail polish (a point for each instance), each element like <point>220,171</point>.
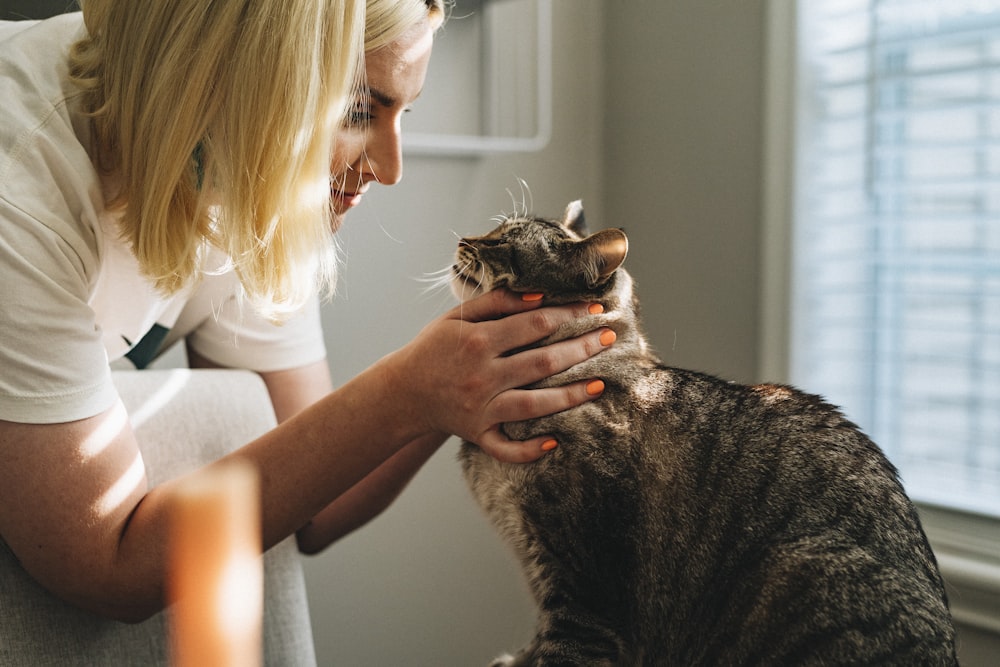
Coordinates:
<point>549,445</point>
<point>532,296</point>
<point>608,337</point>
<point>595,309</point>
<point>595,387</point>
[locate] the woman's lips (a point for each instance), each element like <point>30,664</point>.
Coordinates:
<point>344,201</point>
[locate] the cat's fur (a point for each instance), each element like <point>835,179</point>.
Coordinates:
<point>684,520</point>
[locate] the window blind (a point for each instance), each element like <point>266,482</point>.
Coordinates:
<point>896,277</point>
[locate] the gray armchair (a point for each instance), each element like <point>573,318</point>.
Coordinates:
<point>171,410</point>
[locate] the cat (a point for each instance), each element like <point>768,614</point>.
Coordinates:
<point>685,520</point>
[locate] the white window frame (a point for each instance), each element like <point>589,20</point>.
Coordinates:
<point>967,546</point>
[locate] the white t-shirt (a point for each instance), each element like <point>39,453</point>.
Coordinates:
<point>72,297</point>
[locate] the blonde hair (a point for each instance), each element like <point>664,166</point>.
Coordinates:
<point>218,120</point>
<point>387,20</point>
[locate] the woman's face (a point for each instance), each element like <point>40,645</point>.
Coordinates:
<point>368,148</point>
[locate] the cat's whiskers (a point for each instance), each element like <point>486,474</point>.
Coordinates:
<point>524,207</point>
<point>436,280</point>
<point>444,277</point>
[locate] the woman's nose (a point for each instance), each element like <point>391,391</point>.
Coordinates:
<point>385,157</point>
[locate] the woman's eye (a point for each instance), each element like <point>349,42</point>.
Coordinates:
<point>358,116</point>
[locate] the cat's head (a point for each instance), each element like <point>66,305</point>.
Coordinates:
<point>525,254</point>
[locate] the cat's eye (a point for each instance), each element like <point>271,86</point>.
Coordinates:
<point>489,242</point>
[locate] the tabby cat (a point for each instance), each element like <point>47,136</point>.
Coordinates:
<point>684,520</point>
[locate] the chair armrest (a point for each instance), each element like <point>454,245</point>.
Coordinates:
<point>183,419</point>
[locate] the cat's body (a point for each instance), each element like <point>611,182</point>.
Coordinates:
<point>684,520</point>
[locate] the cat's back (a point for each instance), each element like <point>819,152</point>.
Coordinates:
<point>796,523</point>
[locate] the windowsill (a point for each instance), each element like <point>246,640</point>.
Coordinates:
<point>967,547</point>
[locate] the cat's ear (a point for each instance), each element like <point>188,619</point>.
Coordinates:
<point>603,253</point>
<point>573,218</point>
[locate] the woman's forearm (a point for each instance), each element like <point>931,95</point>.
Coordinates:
<point>368,498</point>
<point>324,451</point>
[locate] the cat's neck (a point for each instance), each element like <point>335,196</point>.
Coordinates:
<point>618,311</point>
<point>621,316</point>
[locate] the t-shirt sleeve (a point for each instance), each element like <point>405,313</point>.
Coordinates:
<point>53,361</point>
<point>238,337</point>
<point>53,364</point>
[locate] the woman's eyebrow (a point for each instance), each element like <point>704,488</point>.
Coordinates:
<point>384,99</point>
<point>381,98</point>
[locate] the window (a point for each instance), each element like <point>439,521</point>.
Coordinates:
<point>895,281</point>
<point>882,250</point>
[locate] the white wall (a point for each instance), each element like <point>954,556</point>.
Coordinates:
<point>682,155</point>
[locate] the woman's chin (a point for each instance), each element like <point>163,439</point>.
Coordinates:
<point>336,222</point>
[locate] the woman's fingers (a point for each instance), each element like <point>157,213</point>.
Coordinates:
<point>502,448</point>
<point>519,404</point>
<point>463,378</point>
<point>494,305</point>
<point>530,366</point>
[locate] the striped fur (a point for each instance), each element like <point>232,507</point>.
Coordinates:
<point>685,520</point>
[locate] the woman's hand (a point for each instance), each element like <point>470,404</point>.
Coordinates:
<point>458,376</point>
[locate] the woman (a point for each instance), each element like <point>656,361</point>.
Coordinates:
<point>171,178</point>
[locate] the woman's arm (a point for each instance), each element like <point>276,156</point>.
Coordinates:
<point>294,390</point>
<point>76,508</point>
<point>369,497</point>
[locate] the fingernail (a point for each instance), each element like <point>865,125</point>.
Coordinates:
<point>532,296</point>
<point>595,387</point>
<point>549,445</point>
<point>608,337</point>
<point>595,309</point>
